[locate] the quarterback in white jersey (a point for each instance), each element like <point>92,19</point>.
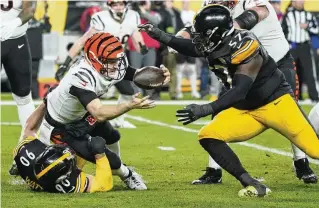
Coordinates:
<point>74,109</point>
<point>260,17</point>
<point>122,23</point>
<point>15,55</point>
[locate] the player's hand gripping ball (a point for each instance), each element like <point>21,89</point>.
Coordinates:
<point>151,77</point>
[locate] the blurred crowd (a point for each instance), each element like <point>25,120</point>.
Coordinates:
<point>190,75</point>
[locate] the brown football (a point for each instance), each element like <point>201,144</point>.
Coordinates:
<point>149,77</point>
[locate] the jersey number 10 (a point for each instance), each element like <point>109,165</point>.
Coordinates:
<point>7,7</point>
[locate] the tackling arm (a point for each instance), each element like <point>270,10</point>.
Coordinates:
<point>78,45</point>
<point>34,121</point>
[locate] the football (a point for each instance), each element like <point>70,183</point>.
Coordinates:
<point>149,77</point>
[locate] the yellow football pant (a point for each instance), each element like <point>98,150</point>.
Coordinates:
<point>283,115</point>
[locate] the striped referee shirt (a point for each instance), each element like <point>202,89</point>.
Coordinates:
<point>291,25</point>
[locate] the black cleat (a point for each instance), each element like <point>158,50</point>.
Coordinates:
<point>304,172</point>
<point>211,176</point>
<point>14,170</point>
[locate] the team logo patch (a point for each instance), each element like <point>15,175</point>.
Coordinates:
<point>91,120</point>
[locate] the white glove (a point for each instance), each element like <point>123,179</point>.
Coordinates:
<point>171,50</point>
<point>7,28</point>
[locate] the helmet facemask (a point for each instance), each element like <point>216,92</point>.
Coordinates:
<point>118,9</point>
<point>114,69</point>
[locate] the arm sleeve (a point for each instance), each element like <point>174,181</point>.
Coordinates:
<point>184,46</point>
<point>103,180</point>
<point>241,86</point>
<point>312,24</point>
<point>84,96</point>
<point>130,71</point>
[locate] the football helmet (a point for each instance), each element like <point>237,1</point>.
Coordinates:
<point>117,11</point>
<point>227,3</point>
<point>211,25</point>
<point>106,55</point>
<point>54,164</point>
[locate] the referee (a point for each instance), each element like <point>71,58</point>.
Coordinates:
<point>297,25</point>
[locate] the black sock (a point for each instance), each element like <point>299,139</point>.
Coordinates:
<point>227,159</point>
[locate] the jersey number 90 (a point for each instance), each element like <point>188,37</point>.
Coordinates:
<point>7,7</point>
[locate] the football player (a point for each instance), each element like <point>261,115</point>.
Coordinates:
<point>256,95</point>
<point>259,17</point>
<point>122,23</point>
<point>54,168</point>
<point>74,108</point>
<point>15,55</point>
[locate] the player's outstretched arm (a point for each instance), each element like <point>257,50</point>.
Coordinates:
<point>241,84</point>
<point>34,121</point>
<point>107,112</point>
<point>103,180</point>
<point>183,46</point>
<point>28,10</point>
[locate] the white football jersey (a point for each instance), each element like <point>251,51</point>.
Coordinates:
<point>10,10</point>
<point>268,31</point>
<point>65,108</point>
<point>103,21</point>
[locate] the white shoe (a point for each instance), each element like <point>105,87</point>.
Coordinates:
<point>135,182</point>
<point>196,95</point>
<point>179,96</point>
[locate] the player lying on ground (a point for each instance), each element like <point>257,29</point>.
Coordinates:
<point>259,17</point>
<point>54,168</point>
<point>256,95</point>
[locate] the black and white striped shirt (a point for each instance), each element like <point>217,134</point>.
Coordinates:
<point>291,25</point>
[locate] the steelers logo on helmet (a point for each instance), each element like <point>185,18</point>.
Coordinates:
<point>227,3</point>
<point>54,164</point>
<point>211,25</point>
<point>105,54</point>
<point>117,8</point>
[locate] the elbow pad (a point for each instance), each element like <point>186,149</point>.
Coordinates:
<point>248,19</point>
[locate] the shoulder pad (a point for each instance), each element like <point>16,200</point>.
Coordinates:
<point>244,46</point>
<point>97,22</point>
<point>83,79</point>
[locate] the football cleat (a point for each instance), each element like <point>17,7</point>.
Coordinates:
<point>14,170</point>
<point>304,172</point>
<point>211,176</point>
<point>255,190</point>
<point>135,182</point>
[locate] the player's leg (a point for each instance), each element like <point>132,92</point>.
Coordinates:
<point>180,68</point>
<point>232,125</point>
<point>314,117</point>
<point>287,66</point>
<point>285,116</point>
<point>18,69</point>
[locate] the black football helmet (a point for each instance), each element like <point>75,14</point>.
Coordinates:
<point>54,164</point>
<point>211,25</point>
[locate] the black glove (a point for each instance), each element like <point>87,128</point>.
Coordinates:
<point>97,145</point>
<point>155,33</point>
<point>144,49</point>
<point>63,69</point>
<point>193,112</point>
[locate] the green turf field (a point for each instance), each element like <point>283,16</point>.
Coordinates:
<point>169,173</point>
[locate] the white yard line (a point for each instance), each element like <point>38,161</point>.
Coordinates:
<point>185,129</point>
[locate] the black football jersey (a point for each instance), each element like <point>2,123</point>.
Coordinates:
<point>25,156</point>
<point>240,48</point>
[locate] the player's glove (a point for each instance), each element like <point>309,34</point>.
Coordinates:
<point>63,69</point>
<point>144,49</point>
<point>193,112</point>
<point>7,28</point>
<point>97,145</point>
<point>155,33</point>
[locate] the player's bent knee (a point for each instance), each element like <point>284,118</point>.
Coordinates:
<point>114,137</point>
<point>22,99</point>
<point>208,132</point>
<point>114,160</point>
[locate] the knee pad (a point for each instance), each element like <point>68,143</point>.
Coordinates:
<point>114,160</point>
<point>22,100</point>
<point>113,138</point>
